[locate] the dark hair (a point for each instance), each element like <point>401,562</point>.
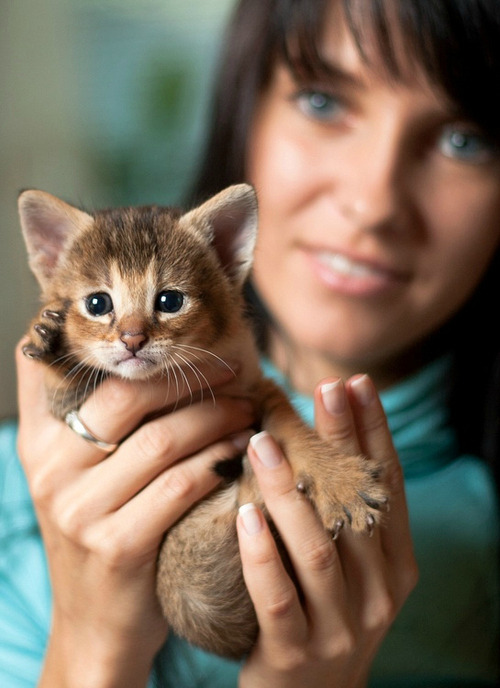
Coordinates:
<point>457,44</point>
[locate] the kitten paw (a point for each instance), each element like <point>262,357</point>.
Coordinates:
<point>345,491</point>
<point>45,335</point>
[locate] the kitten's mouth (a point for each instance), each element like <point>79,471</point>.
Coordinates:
<point>134,367</point>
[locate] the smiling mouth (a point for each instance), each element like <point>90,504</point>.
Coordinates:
<point>343,265</point>
<point>351,276</point>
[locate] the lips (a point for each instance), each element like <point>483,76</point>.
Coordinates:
<point>354,275</point>
<point>134,366</point>
<point>342,265</point>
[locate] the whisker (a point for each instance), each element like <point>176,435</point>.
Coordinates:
<point>199,376</point>
<point>185,378</point>
<point>195,370</point>
<point>205,351</point>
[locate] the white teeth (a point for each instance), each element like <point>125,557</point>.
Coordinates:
<point>344,266</point>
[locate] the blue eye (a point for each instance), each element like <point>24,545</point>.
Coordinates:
<point>465,145</point>
<point>320,106</point>
<point>169,301</point>
<point>99,304</point>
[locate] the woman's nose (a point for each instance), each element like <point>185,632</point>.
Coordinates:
<point>370,190</point>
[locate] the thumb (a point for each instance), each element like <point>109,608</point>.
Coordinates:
<point>32,397</point>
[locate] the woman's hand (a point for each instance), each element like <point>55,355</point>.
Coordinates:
<point>102,517</point>
<point>353,587</point>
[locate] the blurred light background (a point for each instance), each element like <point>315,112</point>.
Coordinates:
<point>103,103</point>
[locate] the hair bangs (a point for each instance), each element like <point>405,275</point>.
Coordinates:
<point>449,44</point>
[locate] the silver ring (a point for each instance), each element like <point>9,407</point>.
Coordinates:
<point>73,421</point>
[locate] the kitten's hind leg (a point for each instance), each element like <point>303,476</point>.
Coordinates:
<point>45,334</point>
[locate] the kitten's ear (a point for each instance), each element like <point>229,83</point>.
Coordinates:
<point>229,222</point>
<point>47,223</point>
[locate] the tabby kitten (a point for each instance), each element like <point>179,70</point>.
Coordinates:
<point>134,292</point>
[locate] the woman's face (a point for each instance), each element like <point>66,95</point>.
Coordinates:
<point>379,212</point>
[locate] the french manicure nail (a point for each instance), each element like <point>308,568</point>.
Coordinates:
<point>363,390</point>
<point>333,397</point>
<point>251,518</point>
<point>266,449</point>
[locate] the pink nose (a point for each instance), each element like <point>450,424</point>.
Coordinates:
<point>133,340</point>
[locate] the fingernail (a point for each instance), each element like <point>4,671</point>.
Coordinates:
<point>241,440</point>
<point>251,518</point>
<point>333,397</point>
<point>363,390</point>
<point>266,450</point>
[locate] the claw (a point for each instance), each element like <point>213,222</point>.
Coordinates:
<point>348,514</point>
<point>30,352</point>
<point>370,524</point>
<point>377,504</point>
<point>42,330</point>
<point>339,524</point>
<point>53,315</point>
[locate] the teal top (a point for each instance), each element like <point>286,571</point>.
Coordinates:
<point>446,635</point>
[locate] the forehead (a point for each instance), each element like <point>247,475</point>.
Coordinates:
<point>354,59</point>
<point>357,48</point>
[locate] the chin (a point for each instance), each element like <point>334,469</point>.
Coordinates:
<point>134,369</point>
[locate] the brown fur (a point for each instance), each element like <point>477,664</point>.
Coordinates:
<point>133,254</point>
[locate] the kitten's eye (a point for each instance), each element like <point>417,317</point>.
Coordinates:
<point>99,304</point>
<point>169,301</point>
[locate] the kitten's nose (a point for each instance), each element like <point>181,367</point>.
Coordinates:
<point>133,340</point>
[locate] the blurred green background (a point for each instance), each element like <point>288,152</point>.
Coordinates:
<point>103,103</point>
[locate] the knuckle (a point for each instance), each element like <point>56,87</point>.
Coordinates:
<point>394,478</point>
<point>178,484</point>
<point>43,485</point>
<point>381,613</point>
<point>291,659</point>
<point>319,555</point>
<point>340,645</point>
<point>155,440</point>
<point>111,545</point>
<point>281,606</point>
<point>341,433</point>
<point>410,576</point>
<point>114,552</point>
<point>376,422</point>
<point>119,396</point>
<point>71,522</point>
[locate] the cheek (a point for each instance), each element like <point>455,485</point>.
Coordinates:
<point>83,335</point>
<point>465,227</point>
<point>277,160</point>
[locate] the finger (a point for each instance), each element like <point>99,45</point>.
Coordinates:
<point>333,416</point>
<point>367,580</point>
<point>370,419</point>
<point>159,444</point>
<point>33,402</point>
<point>312,552</point>
<point>281,618</point>
<point>140,524</point>
<point>376,442</point>
<point>118,406</point>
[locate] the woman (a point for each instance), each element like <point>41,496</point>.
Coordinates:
<point>373,147</point>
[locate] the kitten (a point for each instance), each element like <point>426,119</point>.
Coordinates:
<point>135,292</point>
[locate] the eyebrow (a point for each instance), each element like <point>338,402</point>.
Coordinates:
<point>323,70</point>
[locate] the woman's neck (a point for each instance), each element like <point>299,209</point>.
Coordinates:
<point>304,368</point>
